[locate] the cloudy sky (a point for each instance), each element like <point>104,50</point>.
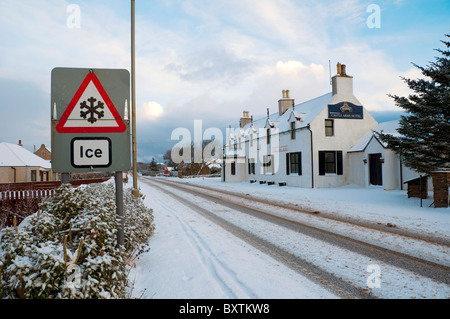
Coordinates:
<point>211,59</point>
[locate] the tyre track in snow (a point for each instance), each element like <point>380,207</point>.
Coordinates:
<point>307,211</point>
<point>383,237</point>
<point>219,272</point>
<point>341,287</point>
<point>335,284</point>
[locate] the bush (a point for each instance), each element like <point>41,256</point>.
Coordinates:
<point>68,248</point>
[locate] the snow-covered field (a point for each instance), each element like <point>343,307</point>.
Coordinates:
<point>191,257</point>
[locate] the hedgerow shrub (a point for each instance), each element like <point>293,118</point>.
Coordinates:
<point>68,248</point>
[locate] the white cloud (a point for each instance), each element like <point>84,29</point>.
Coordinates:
<point>210,60</point>
<point>150,111</point>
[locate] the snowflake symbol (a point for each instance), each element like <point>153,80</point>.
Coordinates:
<point>92,110</point>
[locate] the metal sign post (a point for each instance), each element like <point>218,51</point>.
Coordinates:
<point>119,208</point>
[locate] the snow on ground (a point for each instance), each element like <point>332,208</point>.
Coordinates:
<point>191,257</point>
<point>371,204</point>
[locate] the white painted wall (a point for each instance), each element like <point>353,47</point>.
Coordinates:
<point>240,170</point>
<point>346,133</point>
<point>393,173</point>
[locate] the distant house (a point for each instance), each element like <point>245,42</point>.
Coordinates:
<point>17,164</point>
<point>44,153</point>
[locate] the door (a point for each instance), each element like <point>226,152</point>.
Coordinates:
<point>375,169</point>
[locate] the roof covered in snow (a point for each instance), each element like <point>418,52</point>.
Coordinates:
<point>304,112</point>
<point>385,127</point>
<point>18,156</point>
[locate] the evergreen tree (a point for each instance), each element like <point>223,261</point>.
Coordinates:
<point>424,141</point>
<point>153,166</point>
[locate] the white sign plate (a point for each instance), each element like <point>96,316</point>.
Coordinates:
<point>91,152</point>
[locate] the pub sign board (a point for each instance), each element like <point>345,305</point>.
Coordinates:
<point>345,110</point>
<point>90,127</point>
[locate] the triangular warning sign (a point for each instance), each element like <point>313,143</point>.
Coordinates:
<point>90,111</point>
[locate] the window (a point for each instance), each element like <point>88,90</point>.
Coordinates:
<point>294,163</point>
<point>292,130</point>
<point>251,166</point>
<point>330,162</point>
<point>268,136</point>
<point>33,176</point>
<point>329,128</point>
<point>267,164</point>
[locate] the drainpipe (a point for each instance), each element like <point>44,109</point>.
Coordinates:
<point>223,163</point>
<point>14,173</point>
<point>312,157</point>
<point>401,174</point>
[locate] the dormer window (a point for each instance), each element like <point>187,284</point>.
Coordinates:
<point>294,122</point>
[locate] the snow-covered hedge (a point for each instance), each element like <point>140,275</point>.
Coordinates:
<point>68,248</point>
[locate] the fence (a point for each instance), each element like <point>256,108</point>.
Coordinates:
<point>22,199</point>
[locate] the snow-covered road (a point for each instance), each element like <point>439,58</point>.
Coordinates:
<point>191,257</point>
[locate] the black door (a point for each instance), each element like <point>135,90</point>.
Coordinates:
<point>375,169</point>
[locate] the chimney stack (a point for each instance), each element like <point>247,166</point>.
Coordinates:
<point>285,103</point>
<point>342,83</point>
<point>245,119</point>
<point>20,143</point>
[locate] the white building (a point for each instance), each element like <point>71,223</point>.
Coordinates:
<point>381,165</point>
<point>325,142</point>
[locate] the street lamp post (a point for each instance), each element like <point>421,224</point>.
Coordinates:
<point>133,105</point>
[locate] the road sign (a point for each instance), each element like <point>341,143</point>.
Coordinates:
<point>90,110</point>
<point>90,125</point>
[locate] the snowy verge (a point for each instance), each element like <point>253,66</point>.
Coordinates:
<point>68,249</point>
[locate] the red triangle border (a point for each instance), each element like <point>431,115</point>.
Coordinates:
<point>104,129</point>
